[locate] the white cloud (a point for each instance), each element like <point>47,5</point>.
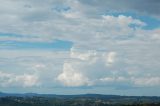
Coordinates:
<point>53,25</point>
<point>110,58</point>
<point>116,65</point>
<point>46,65</point>
<point>146,81</point>
<point>114,79</point>
<point>122,20</point>
<point>71,15</point>
<point>105,47</point>
<point>26,80</point>
<point>107,79</point>
<point>86,67</point>
<point>72,78</point>
<point>87,55</point>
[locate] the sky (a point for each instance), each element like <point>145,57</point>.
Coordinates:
<point>80,46</point>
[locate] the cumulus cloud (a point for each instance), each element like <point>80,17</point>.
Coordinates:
<point>70,77</point>
<point>133,81</point>
<point>110,58</point>
<point>87,55</point>
<point>146,81</point>
<point>107,49</point>
<point>116,67</point>
<point>114,79</point>
<point>114,50</point>
<point>122,20</point>
<point>81,70</point>
<point>33,62</point>
<point>26,80</point>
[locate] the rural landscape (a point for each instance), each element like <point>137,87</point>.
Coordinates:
<point>76,100</point>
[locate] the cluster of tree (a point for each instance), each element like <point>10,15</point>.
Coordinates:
<point>74,101</point>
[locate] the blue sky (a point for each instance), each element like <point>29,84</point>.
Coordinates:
<point>80,46</point>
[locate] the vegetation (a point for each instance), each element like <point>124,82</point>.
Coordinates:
<point>79,100</point>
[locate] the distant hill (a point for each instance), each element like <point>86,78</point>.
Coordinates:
<point>33,99</point>
<point>18,94</point>
<point>72,96</point>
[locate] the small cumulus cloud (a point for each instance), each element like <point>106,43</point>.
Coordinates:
<point>72,78</point>
<point>25,80</point>
<point>114,79</point>
<point>146,81</point>
<point>110,58</point>
<point>122,20</point>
